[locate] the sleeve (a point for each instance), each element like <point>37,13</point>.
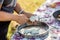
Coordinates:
<point>1,1</point>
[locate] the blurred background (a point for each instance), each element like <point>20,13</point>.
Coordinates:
<point>27,5</point>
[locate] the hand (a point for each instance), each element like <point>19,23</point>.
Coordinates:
<point>27,14</point>
<point>52,5</point>
<point>21,19</point>
<point>32,23</point>
<point>59,16</point>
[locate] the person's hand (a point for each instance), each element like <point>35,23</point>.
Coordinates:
<point>32,23</point>
<point>21,19</point>
<point>52,5</point>
<point>28,14</point>
<point>59,16</point>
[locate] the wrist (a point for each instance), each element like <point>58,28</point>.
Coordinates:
<point>21,11</point>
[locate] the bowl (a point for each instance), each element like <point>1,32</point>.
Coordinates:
<point>36,31</point>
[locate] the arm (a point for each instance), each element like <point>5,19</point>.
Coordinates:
<point>5,16</point>
<point>18,9</point>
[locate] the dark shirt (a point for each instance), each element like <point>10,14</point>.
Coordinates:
<point>8,5</point>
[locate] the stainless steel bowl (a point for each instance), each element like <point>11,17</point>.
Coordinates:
<point>40,24</point>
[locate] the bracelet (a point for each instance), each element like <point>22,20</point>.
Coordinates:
<point>20,12</point>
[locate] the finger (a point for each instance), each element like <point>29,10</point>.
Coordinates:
<point>35,23</point>
<point>29,22</point>
<point>59,16</point>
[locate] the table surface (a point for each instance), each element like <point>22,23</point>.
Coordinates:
<point>54,34</point>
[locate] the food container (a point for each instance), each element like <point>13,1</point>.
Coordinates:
<point>34,33</point>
